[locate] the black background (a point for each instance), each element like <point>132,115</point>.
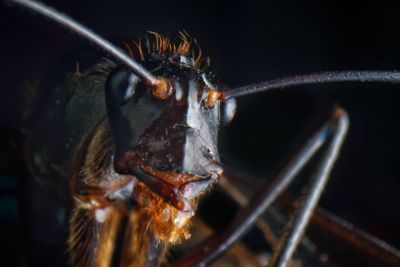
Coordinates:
<point>250,41</point>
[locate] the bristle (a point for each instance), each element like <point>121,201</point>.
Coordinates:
<point>162,45</point>
<point>169,225</point>
<point>128,48</point>
<point>139,47</point>
<point>98,156</point>
<point>96,171</point>
<point>139,242</point>
<point>92,236</point>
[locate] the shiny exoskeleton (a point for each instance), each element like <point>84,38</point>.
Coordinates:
<point>125,145</point>
<point>123,162</point>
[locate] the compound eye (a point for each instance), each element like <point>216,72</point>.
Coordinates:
<point>228,111</point>
<point>121,85</point>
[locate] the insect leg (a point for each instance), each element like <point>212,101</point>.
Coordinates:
<point>237,196</point>
<point>333,130</point>
<point>94,228</point>
<point>239,255</point>
<point>365,242</point>
<point>297,226</point>
<point>340,228</point>
<point>140,248</point>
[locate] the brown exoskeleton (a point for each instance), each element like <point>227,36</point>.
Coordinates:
<point>145,151</point>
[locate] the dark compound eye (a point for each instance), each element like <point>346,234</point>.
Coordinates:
<point>228,110</point>
<point>121,85</point>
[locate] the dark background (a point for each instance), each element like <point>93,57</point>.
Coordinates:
<point>248,41</point>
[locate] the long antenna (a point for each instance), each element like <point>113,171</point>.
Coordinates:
<point>321,77</point>
<point>82,31</point>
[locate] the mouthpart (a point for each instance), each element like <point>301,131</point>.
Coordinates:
<point>177,189</point>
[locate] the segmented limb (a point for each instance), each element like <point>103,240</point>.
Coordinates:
<point>357,238</point>
<point>94,228</point>
<point>333,131</point>
<point>369,245</point>
<point>140,248</point>
<point>296,227</point>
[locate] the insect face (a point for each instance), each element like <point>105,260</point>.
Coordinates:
<point>164,136</point>
<point>172,141</point>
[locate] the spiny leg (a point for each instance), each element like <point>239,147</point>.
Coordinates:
<point>333,130</point>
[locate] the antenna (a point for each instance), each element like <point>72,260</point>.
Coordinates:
<point>96,39</point>
<point>314,78</point>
